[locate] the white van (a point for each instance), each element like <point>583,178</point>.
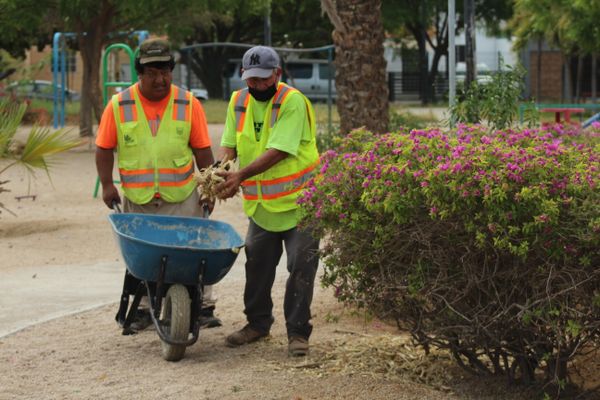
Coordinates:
<point>310,76</point>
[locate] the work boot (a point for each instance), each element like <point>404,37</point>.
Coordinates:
<point>297,346</point>
<point>245,335</point>
<point>207,318</point>
<point>141,320</point>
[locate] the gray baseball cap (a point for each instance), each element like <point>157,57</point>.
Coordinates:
<point>259,62</point>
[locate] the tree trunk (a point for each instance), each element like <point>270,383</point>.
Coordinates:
<point>470,58</point>
<point>426,84</point>
<point>594,78</point>
<point>432,78</point>
<point>579,79</point>
<point>209,73</point>
<point>360,77</point>
<point>568,82</point>
<point>90,46</point>
<point>539,70</point>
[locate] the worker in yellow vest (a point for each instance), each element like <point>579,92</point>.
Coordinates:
<point>270,129</point>
<point>158,130</point>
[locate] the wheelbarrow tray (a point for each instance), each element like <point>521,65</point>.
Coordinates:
<point>192,246</point>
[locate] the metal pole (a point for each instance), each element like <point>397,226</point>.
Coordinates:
<point>451,57</point>
<point>55,56</point>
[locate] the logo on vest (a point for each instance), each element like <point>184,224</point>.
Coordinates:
<point>254,59</point>
<point>128,139</point>
<point>179,131</point>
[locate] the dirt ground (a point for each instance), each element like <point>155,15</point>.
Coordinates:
<point>84,355</point>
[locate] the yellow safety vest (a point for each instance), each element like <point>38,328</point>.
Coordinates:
<point>277,188</point>
<point>155,166</point>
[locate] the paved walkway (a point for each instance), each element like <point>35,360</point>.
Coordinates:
<point>31,295</point>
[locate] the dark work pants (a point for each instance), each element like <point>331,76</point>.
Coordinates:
<point>263,252</point>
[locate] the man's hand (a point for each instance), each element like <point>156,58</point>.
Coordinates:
<point>110,194</point>
<point>230,187</point>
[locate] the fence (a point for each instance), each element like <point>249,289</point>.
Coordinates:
<point>407,86</point>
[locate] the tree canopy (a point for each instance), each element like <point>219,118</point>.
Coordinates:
<point>294,23</point>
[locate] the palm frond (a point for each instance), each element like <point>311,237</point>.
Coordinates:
<point>42,144</point>
<point>11,114</point>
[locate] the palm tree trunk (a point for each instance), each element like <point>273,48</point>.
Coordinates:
<point>360,76</point>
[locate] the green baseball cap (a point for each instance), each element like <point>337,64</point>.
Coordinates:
<point>155,50</point>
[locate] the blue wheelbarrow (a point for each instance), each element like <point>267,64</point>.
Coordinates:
<point>170,259</point>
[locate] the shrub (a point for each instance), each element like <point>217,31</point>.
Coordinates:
<point>496,102</point>
<point>485,244</point>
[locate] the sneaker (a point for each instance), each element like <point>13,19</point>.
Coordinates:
<point>207,318</point>
<point>141,320</point>
<point>297,346</point>
<point>245,335</point>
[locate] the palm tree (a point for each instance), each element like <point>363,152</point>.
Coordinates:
<point>35,153</point>
<point>362,91</point>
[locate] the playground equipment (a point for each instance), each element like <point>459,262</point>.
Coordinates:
<point>590,120</point>
<point>59,74</point>
<point>59,58</point>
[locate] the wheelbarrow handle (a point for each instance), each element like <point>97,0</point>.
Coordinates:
<point>117,207</point>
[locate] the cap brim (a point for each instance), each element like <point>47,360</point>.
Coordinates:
<point>146,60</point>
<point>257,73</point>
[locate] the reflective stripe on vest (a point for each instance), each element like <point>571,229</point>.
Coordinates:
<point>241,105</point>
<point>276,188</point>
<point>180,105</point>
<point>166,177</point>
<point>283,91</point>
<point>127,106</point>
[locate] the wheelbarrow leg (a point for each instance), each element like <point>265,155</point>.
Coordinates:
<point>125,317</point>
<point>160,283</point>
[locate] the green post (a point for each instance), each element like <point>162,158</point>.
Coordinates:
<point>106,83</point>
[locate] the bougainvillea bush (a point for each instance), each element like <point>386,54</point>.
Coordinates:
<point>485,244</point>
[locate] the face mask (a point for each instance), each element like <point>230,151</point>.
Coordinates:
<point>263,95</point>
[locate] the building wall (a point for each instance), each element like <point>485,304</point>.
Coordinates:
<point>551,88</point>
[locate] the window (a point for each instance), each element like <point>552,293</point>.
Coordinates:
<point>299,70</point>
<point>325,70</point>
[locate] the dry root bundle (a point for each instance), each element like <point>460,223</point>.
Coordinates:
<point>208,179</point>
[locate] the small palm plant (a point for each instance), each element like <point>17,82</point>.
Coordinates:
<point>35,154</point>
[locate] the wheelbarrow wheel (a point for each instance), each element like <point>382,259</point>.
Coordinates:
<point>176,320</point>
